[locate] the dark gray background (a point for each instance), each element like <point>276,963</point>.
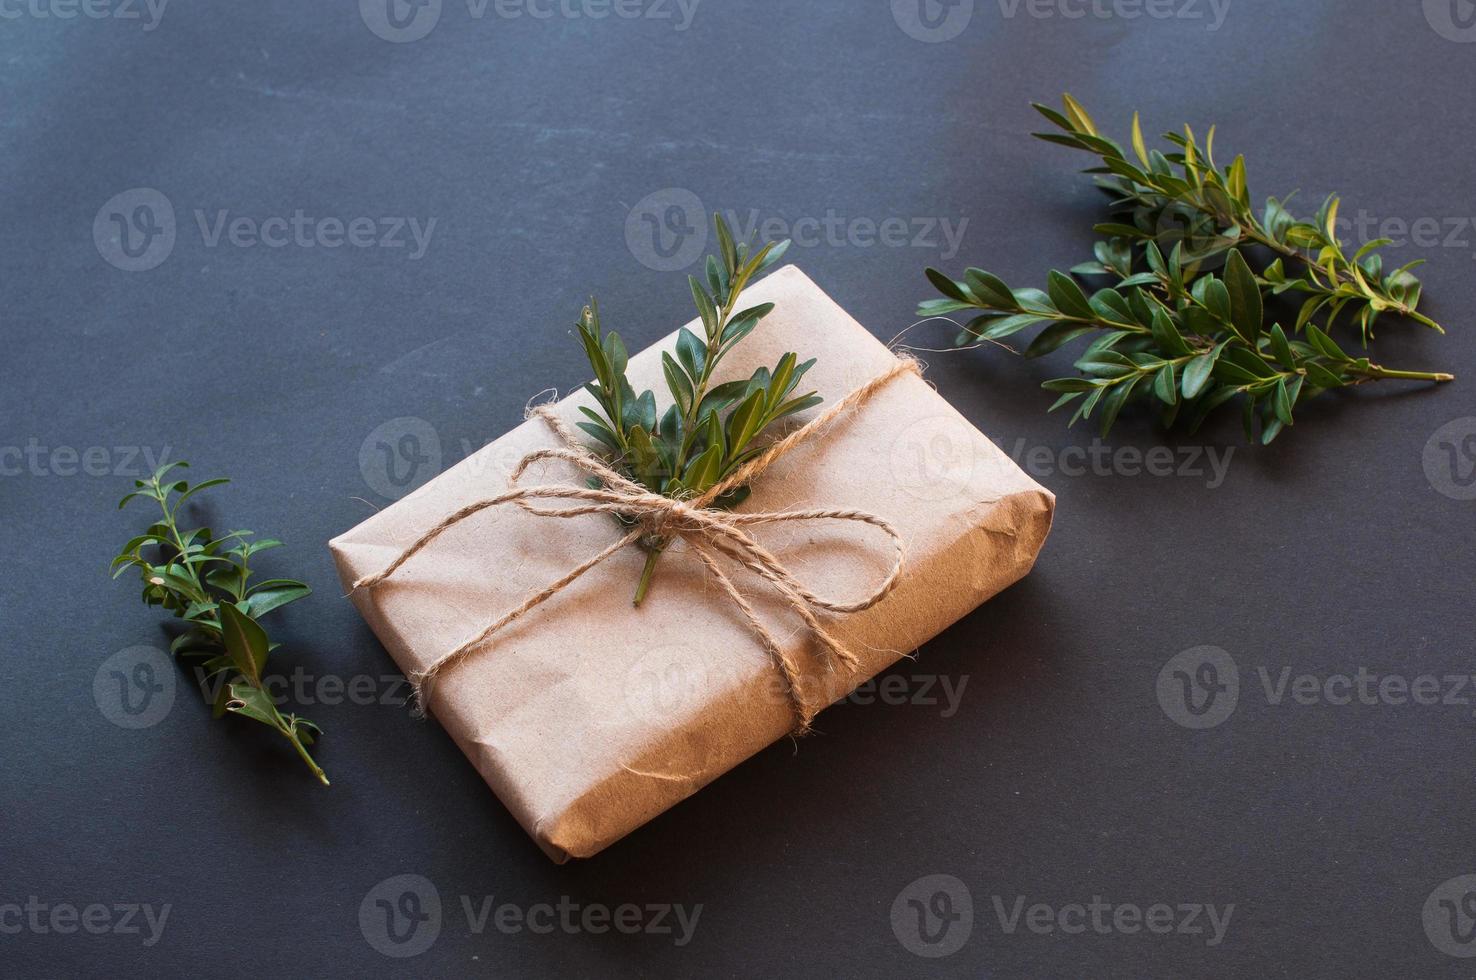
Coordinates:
<point>1059,778</point>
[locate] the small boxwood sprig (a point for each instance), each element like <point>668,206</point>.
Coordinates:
<point>205,581</point>
<point>708,430</point>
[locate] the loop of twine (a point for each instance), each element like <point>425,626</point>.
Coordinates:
<point>709,533</point>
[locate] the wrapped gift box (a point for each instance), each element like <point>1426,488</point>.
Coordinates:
<point>589,716</point>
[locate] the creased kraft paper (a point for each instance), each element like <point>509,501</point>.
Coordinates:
<point>589,716</point>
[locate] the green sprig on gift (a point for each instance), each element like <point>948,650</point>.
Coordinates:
<point>709,430</point>
<point>1169,329</point>
<point>206,581</point>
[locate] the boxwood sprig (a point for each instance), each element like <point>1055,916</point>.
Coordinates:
<point>708,430</point>
<point>206,581</point>
<point>1170,329</point>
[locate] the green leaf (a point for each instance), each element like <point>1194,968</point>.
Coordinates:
<point>704,471</point>
<point>198,487</point>
<point>1321,376</point>
<point>1070,385</point>
<point>705,307</point>
<point>1056,336</point>
<point>1111,306</point>
<point>1281,402</point>
<point>1139,147</point>
<point>726,247</point>
<point>1197,372</point>
<point>743,323</point>
<point>615,354</point>
<point>677,382</point>
<point>692,353</point>
<point>990,289</point>
<point>1166,386</point>
<point>1001,327</point>
<point>1078,115</point>
<point>245,642</point>
<point>1281,349</point>
<point>942,307</point>
<point>251,702</point>
<point>1068,296</point>
<point>746,421</point>
<point>273,594</point>
<point>601,433</point>
<point>795,405</point>
<point>1113,403</point>
<point>1167,335</point>
<point>1247,310</point>
<point>1324,344</point>
<point>774,255</point>
<point>948,287</point>
<point>197,642</point>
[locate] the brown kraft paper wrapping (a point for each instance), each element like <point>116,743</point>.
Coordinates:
<point>589,716</point>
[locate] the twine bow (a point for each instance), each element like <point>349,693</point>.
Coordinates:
<point>706,531</point>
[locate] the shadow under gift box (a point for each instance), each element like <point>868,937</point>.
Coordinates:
<point>589,716</point>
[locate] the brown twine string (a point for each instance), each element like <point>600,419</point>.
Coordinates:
<point>706,531</point>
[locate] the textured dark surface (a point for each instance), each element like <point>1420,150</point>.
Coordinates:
<point>1059,777</point>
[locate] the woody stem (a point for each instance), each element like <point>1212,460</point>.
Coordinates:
<point>652,554</point>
